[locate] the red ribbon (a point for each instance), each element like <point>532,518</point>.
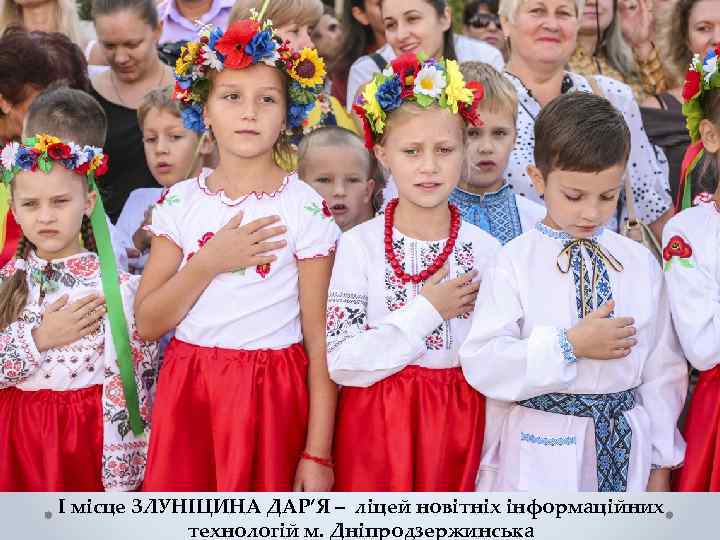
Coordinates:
<point>13,233</point>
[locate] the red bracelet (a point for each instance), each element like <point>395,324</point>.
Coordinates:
<point>320,461</point>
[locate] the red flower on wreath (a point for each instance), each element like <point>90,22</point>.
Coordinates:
<point>692,85</point>
<point>232,44</point>
<point>263,270</point>
<point>103,167</point>
<point>407,66</point>
<point>677,247</point>
<point>59,151</point>
<point>469,112</point>
<point>367,130</point>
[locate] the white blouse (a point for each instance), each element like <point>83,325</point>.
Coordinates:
<point>376,324</point>
<point>253,308</point>
<point>692,273</point>
<point>647,166</point>
<point>517,349</point>
<point>132,217</point>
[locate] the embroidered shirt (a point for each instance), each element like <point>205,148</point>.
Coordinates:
<point>84,363</point>
<point>254,308</point>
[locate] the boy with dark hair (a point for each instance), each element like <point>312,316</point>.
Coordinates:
<point>572,328</point>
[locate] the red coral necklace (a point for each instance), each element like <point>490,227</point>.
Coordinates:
<point>439,261</point>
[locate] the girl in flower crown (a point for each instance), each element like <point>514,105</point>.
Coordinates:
<point>692,239</point>
<point>240,263</point>
<point>75,378</point>
<point>401,292</point>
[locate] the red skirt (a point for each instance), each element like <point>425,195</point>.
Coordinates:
<point>418,430</point>
<point>701,471</point>
<point>228,420</point>
<point>51,441</point>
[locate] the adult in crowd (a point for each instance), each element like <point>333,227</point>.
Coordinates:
<point>327,35</point>
<point>45,16</point>
<point>481,21</point>
<point>364,33</point>
<point>418,26</point>
<point>128,33</point>
<point>180,18</point>
<point>542,36</point>
<point>691,27</point>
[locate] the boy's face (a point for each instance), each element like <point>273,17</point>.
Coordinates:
<point>169,147</point>
<point>488,148</point>
<point>579,202</point>
<point>340,175</point>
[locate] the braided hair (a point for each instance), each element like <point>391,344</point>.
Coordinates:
<point>14,292</point>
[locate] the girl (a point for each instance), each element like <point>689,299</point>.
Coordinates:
<point>407,420</point>
<point>254,415</point>
<point>693,281</point>
<point>74,393</point>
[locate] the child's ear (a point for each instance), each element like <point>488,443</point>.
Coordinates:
<point>381,155</point>
<point>207,146</point>
<point>369,190</point>
<point>90,201</point>
<point>710,135</point>
<point>537,178</point>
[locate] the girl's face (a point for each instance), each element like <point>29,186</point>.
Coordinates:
<point>413,26</point>
<point>326,35</point>
<point>423,149</point>
<point>247,109</point>
<point>544,31</point>
<point>297,35</point>
<point>50,208</point>
<point>704,26</point>
<point>13,115</point>
<point>128,43</point>
<point>595,10</point>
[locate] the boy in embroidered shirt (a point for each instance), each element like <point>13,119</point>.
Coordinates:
<point>572,327</point>
<point>336,163</point>
<point>483,196</point>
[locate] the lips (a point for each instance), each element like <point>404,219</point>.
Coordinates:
<point>48,232</point>
<point>163,167</point>
<point>428,186</point>
<point>247,132</point>
<point>411,48</point>
<point>338,208</point>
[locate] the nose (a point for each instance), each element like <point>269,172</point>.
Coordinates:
<point>121,56</point>
<point>591,212</point>
<point>162,145</point>
<point>46,214</point>
<point>716,36</point>
<point>248,110</point>
<point>428,164</point>
<point>339,188</point>
<point>403,31</point>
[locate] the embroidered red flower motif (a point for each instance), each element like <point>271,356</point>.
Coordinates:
<point>326,209</point>
<point>86,266</point>
<point>677,247</point>
<point>205,239</point>
<point>263,270</point>
<point>692,85</point>
<point>163,196</point>
<point>59,151</point>
<point>114,392</point>
<point>232,44</point>
<point>407,66</point>
<point>469,112</point>
<point>190,255</point>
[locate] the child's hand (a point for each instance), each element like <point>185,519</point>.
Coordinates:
<point>659,480</point>
<point>63,324</point>
<point>452,298</point>
<point>142,238</point>
<point>599,337</point>
<point>238,246</point>
<point>311,476</point>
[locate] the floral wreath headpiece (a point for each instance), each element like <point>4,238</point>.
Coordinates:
<point>38,153</point>
<point>412,79</point>
<point>246,43</point>
<point>702,76</point>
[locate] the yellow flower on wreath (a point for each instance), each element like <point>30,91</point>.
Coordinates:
<point>186,58</point>
<point>308,69</point>
<point>43,141</point>
<point>455,90</point>
<point>375,114</point>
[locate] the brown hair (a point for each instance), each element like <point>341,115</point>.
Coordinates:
<point>580,132</point>
<point>674,39</point>
<point>498,93</point>
<point>280,12</point>
<point>145,9</point>
<point>160,99</point>
<point>710,169</point>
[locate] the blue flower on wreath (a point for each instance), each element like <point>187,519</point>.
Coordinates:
<point>215,35</point>
<point>388,95</point>
<point>297,113</point>
<point>261,46</point>
<point>184,82</point>
<point>25,158</point>
<point>193,119</point>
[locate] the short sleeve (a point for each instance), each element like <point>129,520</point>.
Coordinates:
<point>166,218</point>
<point>317,232</point>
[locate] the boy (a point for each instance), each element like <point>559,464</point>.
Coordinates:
<point>483,196</point>
<point>335,162</point>
<point>572,326</point>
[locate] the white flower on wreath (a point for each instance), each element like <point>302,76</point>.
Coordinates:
<point>211,59</point>
<point>710,68</point>
<point>9,153</point>
<point>430,82</point>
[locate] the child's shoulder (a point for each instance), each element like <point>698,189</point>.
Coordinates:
<point>692,220</point>
<point>530,208</point>
<point>472,232</point>
<point>631,253</point>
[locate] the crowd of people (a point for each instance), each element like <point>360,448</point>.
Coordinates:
<point>370,245</point>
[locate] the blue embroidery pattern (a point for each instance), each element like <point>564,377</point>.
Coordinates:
<point>495,213</point>
<point>613,434</point>
<point>547,441</point>
<point>566,347</point>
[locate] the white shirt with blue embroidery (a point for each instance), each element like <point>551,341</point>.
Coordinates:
<point>517,349</point>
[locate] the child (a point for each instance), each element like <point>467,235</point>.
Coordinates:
<point>690,257</point>
<point>483,196</point>
<point>73,411</point>
<point>173,153</point>
<point>402,287</point>
<point>335,162</point>
<point>244,400</point>
<point>573,325</point>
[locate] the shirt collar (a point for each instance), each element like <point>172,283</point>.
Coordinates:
<point>562,235</point>
<point>465,197</point>
<point>171,12</point>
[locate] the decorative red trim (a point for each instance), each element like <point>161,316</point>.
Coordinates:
<point>325,462</point>
<point>319,255</point>
<point>227,201</point>
<point>149,229</point>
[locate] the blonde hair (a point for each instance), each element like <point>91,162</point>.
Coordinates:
<point>68,20</point>
<point>509,8</point>
<point>498,93</point>
<point>280,12</point>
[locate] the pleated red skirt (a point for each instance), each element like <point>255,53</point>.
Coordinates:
<point>51,441</point>
<point>418,430</point>
<point>228,420</point>
<point>701,471</point>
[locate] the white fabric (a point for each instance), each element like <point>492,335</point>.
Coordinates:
<point>513,352</point>
<point>694,290</point>
<point>531,213</point>
<point>647,165</point>
<point>376,325</point>
<point>132,217</point>
<point>243,309</point>
<point>466,49</point>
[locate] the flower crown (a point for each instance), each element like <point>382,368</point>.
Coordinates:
<point>410,78</point>
<point>245,43</point>
<point>702,76</point>
<point>40,151</point>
